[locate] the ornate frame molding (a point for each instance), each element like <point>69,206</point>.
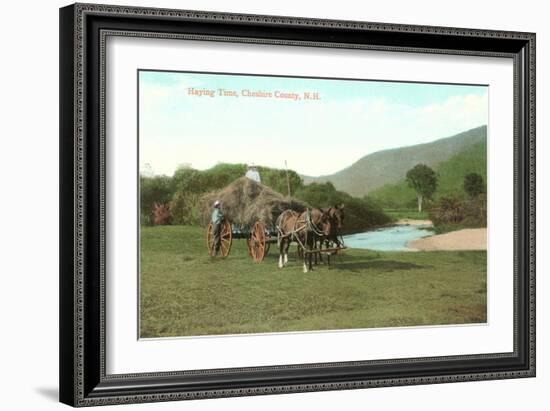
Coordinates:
<point>82,368</point>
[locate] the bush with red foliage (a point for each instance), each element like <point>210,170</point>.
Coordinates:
<point>161,214</point>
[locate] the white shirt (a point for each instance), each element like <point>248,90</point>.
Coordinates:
<point>253,175</point>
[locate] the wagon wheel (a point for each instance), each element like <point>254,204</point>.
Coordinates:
<point>256,243</point>
<point>267,246</point>
<point>226,239</point>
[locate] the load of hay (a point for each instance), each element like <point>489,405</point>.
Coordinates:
<point>246,201</point>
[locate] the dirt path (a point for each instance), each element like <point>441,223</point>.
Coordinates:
<point>467,239</point>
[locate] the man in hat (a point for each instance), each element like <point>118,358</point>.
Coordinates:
<point>253,173</point>
<point>217,219</point>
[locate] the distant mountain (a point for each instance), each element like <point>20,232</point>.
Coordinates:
<point>390,166</point>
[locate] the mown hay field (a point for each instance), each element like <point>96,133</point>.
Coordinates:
<point>184,292</point>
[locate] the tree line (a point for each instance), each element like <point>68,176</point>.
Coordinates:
<point>182,191</point>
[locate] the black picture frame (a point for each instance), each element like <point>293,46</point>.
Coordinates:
<point>83,381</point>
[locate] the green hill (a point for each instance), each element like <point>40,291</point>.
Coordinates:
<point>390,166</point>
<point>451,178</point>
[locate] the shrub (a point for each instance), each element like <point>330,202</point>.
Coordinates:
<point>145,218</point>
<point>185,208</point>
<point>450,209</point>
<point>453,211</point>
<point>475,211</point>
<point>161,214</point>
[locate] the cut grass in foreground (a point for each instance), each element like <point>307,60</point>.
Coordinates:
<point>186,292</point>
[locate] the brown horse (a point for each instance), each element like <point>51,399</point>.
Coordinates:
<point>305,228</point>
<point>336,216</point>
<point>334,238</point>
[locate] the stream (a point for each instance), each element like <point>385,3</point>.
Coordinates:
<point>394,238</point>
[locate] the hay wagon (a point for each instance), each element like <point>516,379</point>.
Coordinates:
<point>250,210</point>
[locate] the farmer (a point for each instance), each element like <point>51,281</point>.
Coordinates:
<point>217,219</point>
<point>253,173</point>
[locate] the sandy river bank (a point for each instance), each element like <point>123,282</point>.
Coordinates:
<point>467,239</point>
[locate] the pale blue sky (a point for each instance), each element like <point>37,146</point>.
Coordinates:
<point>353,118</point>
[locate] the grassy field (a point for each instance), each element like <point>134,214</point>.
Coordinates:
<point>186,292</point>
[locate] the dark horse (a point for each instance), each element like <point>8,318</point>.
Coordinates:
<point>336,216</point>
<point>334,238</point>
<point>305,228</point>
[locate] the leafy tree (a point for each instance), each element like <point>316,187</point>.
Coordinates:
<point>276,179</point>
<point>423,180</point>
<point>474,185</point>
<point>194,181</point>
<point>221,175</point>
<point>321,194</point>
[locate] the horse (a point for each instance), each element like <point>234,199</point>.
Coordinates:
<point>305,229</point>
<point>334,238</point>
<point>336,215</point>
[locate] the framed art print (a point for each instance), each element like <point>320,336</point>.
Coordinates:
<point>262,204</point>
